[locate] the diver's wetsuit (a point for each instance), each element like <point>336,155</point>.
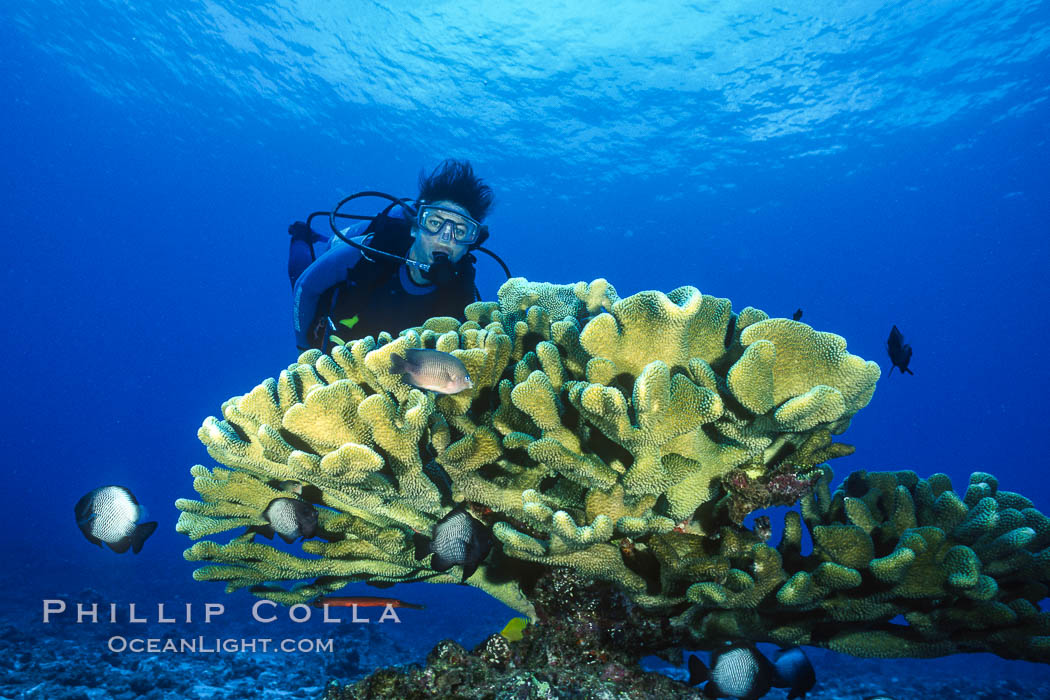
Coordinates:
<point>343,285</point>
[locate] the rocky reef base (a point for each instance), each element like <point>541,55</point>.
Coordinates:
<point>586,643</point>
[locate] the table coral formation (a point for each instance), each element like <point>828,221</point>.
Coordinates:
<point>623,440</point>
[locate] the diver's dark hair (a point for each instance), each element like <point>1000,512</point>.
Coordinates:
<point>455,181</point>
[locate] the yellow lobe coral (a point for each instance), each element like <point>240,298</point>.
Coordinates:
<point>622,440</point>
<point>687,323</point>
<point>806,359</point>
<point>953,599</point>
<point>661,409</point>
<point>580,300</point>
<point>578,426</point>
<point>751,377</point>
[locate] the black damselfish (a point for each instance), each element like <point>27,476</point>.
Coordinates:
<point>899,351</point>
<point>794,671</point>
<point>458,539</point>
<point>290,518</point>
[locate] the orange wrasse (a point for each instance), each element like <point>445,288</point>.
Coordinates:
<point>363,601</point>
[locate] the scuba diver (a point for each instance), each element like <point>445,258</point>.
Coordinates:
<point>410,262</point>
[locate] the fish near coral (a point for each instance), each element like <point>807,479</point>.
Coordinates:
<point>111,514</point>
<point>797,316</point>
<point>458,539</point>
<point>440,478</point>
<point>738,671</point>
<point>288,517</point>
<point>291,486</point>
<point>432,370</point>
<point>794,671</point>
<point>763,528</point>
<point>514,630</point>
<point>899,351</point>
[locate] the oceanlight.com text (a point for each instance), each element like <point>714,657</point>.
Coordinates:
<point>217,645</point>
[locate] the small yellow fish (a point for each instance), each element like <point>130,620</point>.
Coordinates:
<point>512,632</point>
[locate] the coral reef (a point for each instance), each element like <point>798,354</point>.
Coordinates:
<point>901,566</point>
<point>622,441</point>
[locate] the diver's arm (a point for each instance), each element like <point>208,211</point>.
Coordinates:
<point>327,271</point>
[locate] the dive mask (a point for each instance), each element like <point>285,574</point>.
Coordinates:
<point>433,218</point>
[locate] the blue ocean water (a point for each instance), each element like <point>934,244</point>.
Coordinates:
<point>873,163</point>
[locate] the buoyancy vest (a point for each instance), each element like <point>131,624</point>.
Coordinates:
<point>378,294</point>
